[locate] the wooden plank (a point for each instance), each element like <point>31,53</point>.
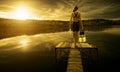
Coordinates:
<point>59,45</point>
<point>71,45</point>
<point>74,61</point>
<point>63,45</point>
<point>79,45</point>
<point>66,45</point>
<point>84,45</point>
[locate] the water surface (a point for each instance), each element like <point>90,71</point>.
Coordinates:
<point>35,53</point>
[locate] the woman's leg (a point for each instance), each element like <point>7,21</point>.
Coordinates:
<point>75,37</point>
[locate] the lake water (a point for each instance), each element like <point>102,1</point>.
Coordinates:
<point>35,53</point>
<point>108,44</point>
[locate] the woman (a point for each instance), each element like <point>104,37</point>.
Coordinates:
<point>76,24</point>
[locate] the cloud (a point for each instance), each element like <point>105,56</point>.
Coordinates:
<point>98,10</point>
<point>6,7</point>
<point>62,9</point>
<point>101,9</point>
<point>88,9</point>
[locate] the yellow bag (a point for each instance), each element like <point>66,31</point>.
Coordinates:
<point>82,37</point>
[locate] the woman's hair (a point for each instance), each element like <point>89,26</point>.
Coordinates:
<point>75,9</point>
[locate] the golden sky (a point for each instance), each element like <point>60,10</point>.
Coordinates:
<point>59,9</point>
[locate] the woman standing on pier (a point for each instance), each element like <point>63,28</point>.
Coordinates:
<point>76,24</point>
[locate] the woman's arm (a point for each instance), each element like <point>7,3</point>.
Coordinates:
<point>70,22</point>
<point>81,22</point>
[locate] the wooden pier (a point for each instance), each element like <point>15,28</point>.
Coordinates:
<point>76,56</point>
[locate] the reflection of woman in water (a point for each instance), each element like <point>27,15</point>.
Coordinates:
<point>76,24</point>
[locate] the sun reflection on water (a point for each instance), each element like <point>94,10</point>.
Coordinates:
<point>24,41</point>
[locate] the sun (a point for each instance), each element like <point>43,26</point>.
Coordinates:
<point>24,13</point>
<point>21,13</point>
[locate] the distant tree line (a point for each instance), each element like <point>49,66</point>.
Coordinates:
<point>10,27</point>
